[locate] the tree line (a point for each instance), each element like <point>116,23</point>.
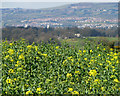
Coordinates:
<point>38,34</point>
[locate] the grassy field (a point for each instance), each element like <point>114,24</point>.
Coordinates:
<point>80,42</point>
<point>106,38</point>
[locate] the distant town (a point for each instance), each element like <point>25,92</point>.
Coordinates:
<point>80,22</point>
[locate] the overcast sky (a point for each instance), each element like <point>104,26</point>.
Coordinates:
<point>37,4</point>
<point>60,0</point>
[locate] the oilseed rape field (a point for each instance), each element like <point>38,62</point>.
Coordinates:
<point>48,68</point>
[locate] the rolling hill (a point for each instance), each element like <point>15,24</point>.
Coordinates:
<point>77,10</point>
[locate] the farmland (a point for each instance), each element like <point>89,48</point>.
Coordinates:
<point>79,43</point>
<point>47,68</point>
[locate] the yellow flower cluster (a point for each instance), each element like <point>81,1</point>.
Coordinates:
<point>70,89</point>
<point>93,73</point>
<point>69,75</point>
<point>77,72</point>
<point>44,55</point>
<point>97,81</point>
<point>75,92</point>
<point>11,71</point>
<point>116,80</point>
<point>29,46</point>
<point>11,51</point>
<point>8,81</point>
<point>29,92</point>
<point>21,56</point>
<point>57,47</point>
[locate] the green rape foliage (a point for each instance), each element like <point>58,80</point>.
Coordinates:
<point>47,68</point>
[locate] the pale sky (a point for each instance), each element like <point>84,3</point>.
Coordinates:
<point>60,0</point>
<point>32,5</point>
<point>37,4</point>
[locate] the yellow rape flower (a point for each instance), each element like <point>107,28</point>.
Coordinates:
<point>111,49</point>
<point>69,75</point>
<point>113,66</point>
<point>116,57</point>
<point>117,61</point>
<point>72,60</point>
<point>69,57</point>
<point>76,72</point>
<point>37,57</point>
<point>112,59</point>
<point>8,81</point>
<point>105,80</point>
<point>102,88</point>
<point>21,56</point>
<point>44,54</point>
<point>111,52</point>
<point>21,50</point>
<point>72,83</point>
<point>38,89</point>
<point>101,64</point>
<point>93,73</point>
<point>112,76</point>
<point>6,57</point>
<point>11,51</point>
<point>90,50</point>
<point>77,63</point>
<point>28,92</point>
<point>70,89</point>
<point>11,71</point>
<point>75,92</point>
<point>18,63</point>
<point>80,51</point>
<point>77,79</point>
<point>15,79</point>
<point>79,59</point>
<point>57,47</point>
<point>91,60</point>
<point>99,55</point>
<point>64,61</point>
<point>115,53</point>
<point>29,46</point>
<point>26,85</point>
<point>11,44</point>
<point>97,81</point>
<point>84,51</point>
<point>36,48</point>
<point>116,80</point>
<point>108,54</point>
<point>97,47</point>
<point>85,59</point>
<point>110,63</point>
<point>113,70</point>
<point>88,65</point>
<point>104,49</point>
<point>5,92</point>
<point>106,67</point>
<point>39,52</point>
<point>4,65</point>
<point>11,60</point>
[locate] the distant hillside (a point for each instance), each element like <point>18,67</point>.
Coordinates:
<point>97,10</point>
